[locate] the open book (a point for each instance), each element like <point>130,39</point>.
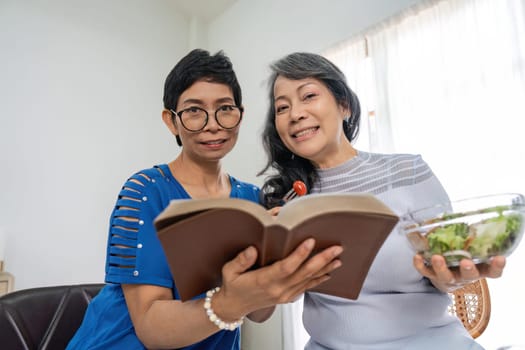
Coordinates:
<point>200,235</point>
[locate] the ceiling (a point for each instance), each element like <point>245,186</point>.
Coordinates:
<point>204,9</point>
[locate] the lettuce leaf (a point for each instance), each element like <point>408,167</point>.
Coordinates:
<point>482,240</point>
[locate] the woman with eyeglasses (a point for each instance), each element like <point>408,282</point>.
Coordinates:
<point>139,307</point>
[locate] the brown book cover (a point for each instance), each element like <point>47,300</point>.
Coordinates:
<point>200,235</point>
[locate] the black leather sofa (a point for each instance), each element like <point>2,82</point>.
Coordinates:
<point>44,318</point>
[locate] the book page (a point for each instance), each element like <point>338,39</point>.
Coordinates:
<point>303,208</point>
<point>181,208</point>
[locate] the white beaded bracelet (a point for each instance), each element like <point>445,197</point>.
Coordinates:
<point>214,318</point>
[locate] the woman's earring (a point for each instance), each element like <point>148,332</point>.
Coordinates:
<point>292,157</point>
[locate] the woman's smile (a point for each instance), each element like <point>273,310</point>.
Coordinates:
<point>305,132</point>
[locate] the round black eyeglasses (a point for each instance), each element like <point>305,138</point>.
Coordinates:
<point>195,118</point>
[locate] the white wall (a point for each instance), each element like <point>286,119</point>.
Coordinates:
<point>81,86</point>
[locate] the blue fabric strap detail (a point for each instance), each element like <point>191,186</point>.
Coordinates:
<point>118,271</point>
<point>126,213</point>
<point>124,253</point>
<point>140,177</point>
<point>128,252</point>
<point>130,193</point>
<point>119,231</point>
<point>133,225</point>
<point>150,173</point>
<point>116,242</point>
<point>125,202</point>
<point>139,187</point>
<point>122,262</point>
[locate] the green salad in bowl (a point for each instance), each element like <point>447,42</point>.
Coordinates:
<point>475,228</point>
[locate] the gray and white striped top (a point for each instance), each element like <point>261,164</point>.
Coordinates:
<point>397,307</point>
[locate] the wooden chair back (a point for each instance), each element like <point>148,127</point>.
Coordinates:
<point>471,304</point>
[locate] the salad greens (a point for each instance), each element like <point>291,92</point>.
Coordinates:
<point>480,240</point>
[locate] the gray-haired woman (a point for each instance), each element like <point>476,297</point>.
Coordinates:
<point>311,122</point>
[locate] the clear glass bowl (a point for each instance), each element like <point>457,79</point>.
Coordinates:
<point>476,228</point>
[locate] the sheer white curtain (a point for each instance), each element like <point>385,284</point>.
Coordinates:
<point>450,78</point>
<point>446,79</point>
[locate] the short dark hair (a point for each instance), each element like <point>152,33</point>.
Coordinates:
<point>296,66</point>
<point>199,65</point>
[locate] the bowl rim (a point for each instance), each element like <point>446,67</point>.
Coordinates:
<point>519,202</point>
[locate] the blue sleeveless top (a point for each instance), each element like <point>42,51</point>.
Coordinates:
<point>135,256</point>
